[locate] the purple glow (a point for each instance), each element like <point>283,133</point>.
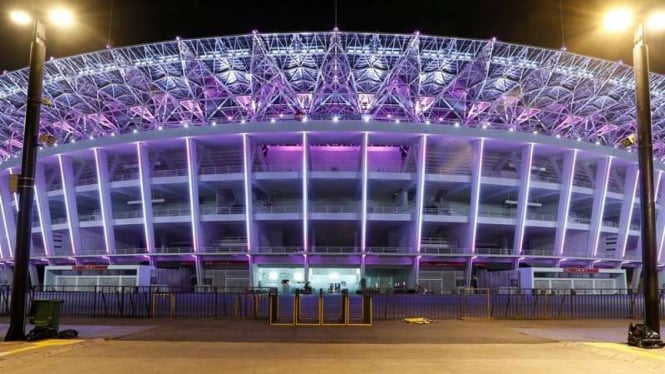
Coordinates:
<point>102,201</point>
<point>67,207</point>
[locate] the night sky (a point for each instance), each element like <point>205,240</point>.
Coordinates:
<point>532,22</point>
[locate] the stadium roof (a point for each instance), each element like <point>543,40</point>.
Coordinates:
<point>353,76</point>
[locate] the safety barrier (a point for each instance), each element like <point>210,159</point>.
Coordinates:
<point>339,309</point>
<point>320,310</point>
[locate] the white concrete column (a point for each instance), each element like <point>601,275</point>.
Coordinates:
<point>193,184</point>
<point>43,212</point>
<point>523,199</point>
<point>69,192</point>
<point>563,211</point>
<point>474,204</point>
<point>146,196</point>
<point>627,205</point>
<point>420,192</point>
<point>7,220</point>
<point>600,192</point>
<point>248,151</point>
<point>105,205</point>
<point>364,183</point>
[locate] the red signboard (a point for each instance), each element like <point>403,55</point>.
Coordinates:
<point>580,270</point>
<point>89,267</point>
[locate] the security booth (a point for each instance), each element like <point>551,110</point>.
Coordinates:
<point>100,278</point>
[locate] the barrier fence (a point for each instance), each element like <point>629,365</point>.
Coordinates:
<point>146,302</point>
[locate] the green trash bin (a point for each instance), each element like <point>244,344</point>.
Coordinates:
<point>46,313</point>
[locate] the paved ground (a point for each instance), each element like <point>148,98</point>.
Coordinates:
<point>216,346</point>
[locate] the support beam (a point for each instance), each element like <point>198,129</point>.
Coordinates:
<point>247,152</point>
<point>105,205</point>
<point>69,191</point>
<point>146,196</point>
<point>627,207</point>
<point>363,204</point>
<point>523,199</point>
<point>305,192</point>
<point>468,272</point>
<point>193,184</point>
<point>476,176</point>
<point>420,195</point>
<point>44,213</point>
<point>8,219</point>
<point>598,210</point>
<point>563,211</point>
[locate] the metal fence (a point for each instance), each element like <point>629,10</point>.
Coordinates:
<point>254,304</point>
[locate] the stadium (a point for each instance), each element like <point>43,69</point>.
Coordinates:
<point>332,160</point>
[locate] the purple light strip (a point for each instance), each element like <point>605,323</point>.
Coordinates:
<point>421,192</point>
<point>662,232</point>
<point>363,224</point>
<point>305,193</point>
<point>144,207</point>
<point>67,207</point>
<point>527,184</point>
<point>631,205</point>
<point>246,165</point>
<point>98,168</point>
<point>602,205</point>
<point>568,196</point>
<point>476,196</point>
<point>190,177</point>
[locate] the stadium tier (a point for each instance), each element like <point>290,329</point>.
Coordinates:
<point>333,160</point>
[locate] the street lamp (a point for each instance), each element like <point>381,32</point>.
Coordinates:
<point>618,20</point>
<point>61,17</point>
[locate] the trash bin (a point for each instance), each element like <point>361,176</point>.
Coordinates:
<point>46,313</point>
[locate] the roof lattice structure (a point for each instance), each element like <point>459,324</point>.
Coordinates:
<point>263,77</point>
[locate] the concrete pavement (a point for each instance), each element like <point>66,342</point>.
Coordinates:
<point>216,346</point>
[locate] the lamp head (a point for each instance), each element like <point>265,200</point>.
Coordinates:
<point>618,20</point>
<point>20,17</point>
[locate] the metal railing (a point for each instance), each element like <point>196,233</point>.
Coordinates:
<point>169,173</point>
<point>222,209</point>
<point>388,304</point>
<point>220,169</point>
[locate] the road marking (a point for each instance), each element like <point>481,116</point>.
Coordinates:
<point>652,354</point>
<point>41,344</point>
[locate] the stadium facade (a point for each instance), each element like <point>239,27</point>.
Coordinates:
<point>272,160</point>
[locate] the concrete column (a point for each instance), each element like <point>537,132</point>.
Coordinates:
<point>523,199</point>
<point>248,151</point>
<point>69,190</point>
<point>600,192</point>
<point>305,192</point>
<point>474,204</point>
<point>199,271</point>
<point>193,184</point>
<point>627,205</point>
<point>363,204</point>
<point>420,193</point>
<point>7,219</point>
<point>563,211</point>
<point>146,196</point>
<point>105,205</point>
<point>468,272</point>
<point>43,212</point>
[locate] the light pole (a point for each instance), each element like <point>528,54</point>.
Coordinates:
<point>618,20</point>
<point>16,329</point>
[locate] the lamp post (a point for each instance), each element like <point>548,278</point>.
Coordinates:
<point>26,180</point>
<point>618,20</point>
